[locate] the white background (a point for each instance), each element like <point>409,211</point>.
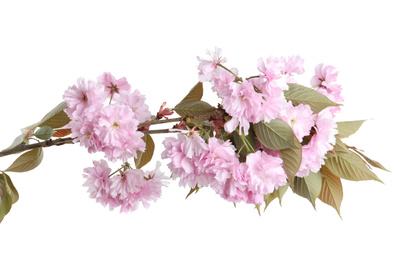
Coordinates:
<point>46,45</point>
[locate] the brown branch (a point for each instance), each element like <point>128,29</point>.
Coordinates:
<point>61,141</point>
<point>23,147</point>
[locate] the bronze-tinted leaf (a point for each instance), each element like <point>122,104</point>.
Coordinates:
<point>56,118</point>
<point>145,157</point>
<point>347,128</point>
<point>195,94</point>
<point>371,162</point>
<point>193,108</point>
<point>331,189</point>
<point>27,161</point>
<point>340,146</point>
<point>62,132</point>
<point>299,94</point>
<point>350,166</point>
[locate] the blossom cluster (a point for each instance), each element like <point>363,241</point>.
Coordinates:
<point>110,128</point>
<point>215,164</point>
<point>113,129</point>
<point>200,161</point>
<point>127,189</point>
<point>261,98</point>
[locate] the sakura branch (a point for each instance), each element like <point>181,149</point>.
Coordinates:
<point>269,134</point>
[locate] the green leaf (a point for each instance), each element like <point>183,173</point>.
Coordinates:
<point>27,161</point>
<point>308,187</point>
<point>195,94</point>
<point>278,193</point>
<point>145,157</point>
<point>331,189</point>
<point>299,94</point>
<point>350,166</point>
<point>44,133</point>
<point>340,146</point>
<point>347,128</point>
<point>5,197</point>
<point>56,118</point>
<point>276,135</point>
<point>291,161</point>
<point>193,108</point>
<point>12,190</point>
<point>18,140</point>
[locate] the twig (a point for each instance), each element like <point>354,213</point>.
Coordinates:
<point>61,141</point>
<point>22,147</point>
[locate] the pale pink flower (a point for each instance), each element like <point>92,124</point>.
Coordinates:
<point>112,85</point>
<point>273,99</point>
<point>243,105</point>
<point>324,82</point>
<point>136,101</point>
<point>219,160</point>
<point>83,130</point>
<point>117,125</point>
<point>266,172</point>
<point>235,188</point>
<point>300,118</point>
<point>126,183</point>
<point>154,181</point>
<point>313,153</point>
<point>208,67</point>
<point>83,100</point>
<point>184,152</point>
<point>98,181</point>
<point>222,82</point>
<point>194,144</point>
<point>293,65</point>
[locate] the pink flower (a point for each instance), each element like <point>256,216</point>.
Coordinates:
<point>299,118</point>
<point>273,98</point>
<point>84,100</point>
<point>208,67</point>
<point>84,131</point>
<point>222,82</point>
<point>183,153</point>
<point>117,125</point>
<point>235,188</point>
<point>136,101</point>
<point>112,85</point>
<point>266,173</point>
<point>219,160</point>
<point>293,64</point>
<point>98,181</point>
<point>313,153</point>
<point>243,105</point>
<point>324,82</point>
<point>154,181</point>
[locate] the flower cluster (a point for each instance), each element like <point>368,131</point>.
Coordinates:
<point>201,161</point>
<point>127,189</point>
<point>113,129</point>
<point>215,164</point>
<point>109,128</point>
